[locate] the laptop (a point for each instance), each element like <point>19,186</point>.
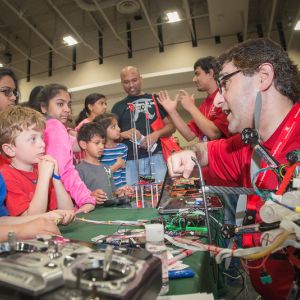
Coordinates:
<point>181,195</point>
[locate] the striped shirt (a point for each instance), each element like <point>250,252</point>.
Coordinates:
<point>109,158</point>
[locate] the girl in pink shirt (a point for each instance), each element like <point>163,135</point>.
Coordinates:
<point>55,103</point>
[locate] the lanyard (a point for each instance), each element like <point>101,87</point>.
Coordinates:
<point>283,138</point>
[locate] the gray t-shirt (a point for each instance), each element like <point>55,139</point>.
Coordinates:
<point>97,177</point>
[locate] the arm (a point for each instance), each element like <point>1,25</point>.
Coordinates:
<point>181,164</point>
<point>29,229</point>
<point>57,216</point>
<point>165,131</point>
<point>58,145</point>
<point>64,200</point>
<point>39,201</point>
<point>170,106</point>
<point>204,124</point>
<point>119,164</point>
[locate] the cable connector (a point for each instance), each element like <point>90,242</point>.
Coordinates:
<point>265,278</point>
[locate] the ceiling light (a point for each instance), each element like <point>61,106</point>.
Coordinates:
<point>173,16</point>
<point>69,40</point>
<point>297,27</point>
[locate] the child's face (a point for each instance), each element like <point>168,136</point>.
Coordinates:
<point>99,107</point>
<point>113,130</point>
<point>29,147</point>
<point>94,148</point>
<point>59,107</point>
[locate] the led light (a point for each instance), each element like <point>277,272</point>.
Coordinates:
<point>297,27</point>
<point>69,40</point>
<point>173,17</point>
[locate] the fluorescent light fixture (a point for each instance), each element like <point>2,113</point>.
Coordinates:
<point>297,27</point>
<point>69,40</point>
<point>173,16</point>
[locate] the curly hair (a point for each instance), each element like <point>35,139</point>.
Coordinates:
<point>17,119</point>
<point>248,57</point>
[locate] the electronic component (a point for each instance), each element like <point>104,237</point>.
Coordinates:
<point>56,270</point>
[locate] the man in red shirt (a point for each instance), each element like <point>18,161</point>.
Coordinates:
<point>208,120</point>
<point>249,70</point>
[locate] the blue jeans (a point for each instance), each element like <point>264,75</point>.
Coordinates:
<point>158,168</point>
<point>230,202</point>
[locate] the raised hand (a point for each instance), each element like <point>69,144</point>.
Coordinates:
<point>187,101</point>
<point>168,104</point>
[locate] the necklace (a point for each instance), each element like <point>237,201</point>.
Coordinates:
<point>34,181</point>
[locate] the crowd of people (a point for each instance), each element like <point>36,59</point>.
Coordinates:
<point>50,172</point>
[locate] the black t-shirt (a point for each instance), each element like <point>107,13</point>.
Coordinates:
<point>144,105</point>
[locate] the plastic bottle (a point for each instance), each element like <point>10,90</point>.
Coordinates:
<point>155,244</point>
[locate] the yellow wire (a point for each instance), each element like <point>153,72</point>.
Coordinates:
<point>279,240</point>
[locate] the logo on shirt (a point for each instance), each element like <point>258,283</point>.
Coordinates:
<point>142,106</point>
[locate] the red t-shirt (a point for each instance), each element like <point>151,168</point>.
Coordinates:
<point>20,190</point>
<point>230,159</point>
<point>214,114</point>
<point>3,160</point>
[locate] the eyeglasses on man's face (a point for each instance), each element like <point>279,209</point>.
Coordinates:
<point>222,80</point>
<point>8,92</point>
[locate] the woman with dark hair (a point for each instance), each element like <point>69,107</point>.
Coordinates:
<point>9,94</point>
<point>94,105</point>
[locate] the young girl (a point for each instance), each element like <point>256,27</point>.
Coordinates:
<point>55,103</point>
<point>115,153</point>
<point>94,105</point>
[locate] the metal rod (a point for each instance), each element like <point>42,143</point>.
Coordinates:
<point>202,183</point>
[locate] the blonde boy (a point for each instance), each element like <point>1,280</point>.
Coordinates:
<point>32,180</point>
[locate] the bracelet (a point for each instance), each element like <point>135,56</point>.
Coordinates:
<point>56,176</point>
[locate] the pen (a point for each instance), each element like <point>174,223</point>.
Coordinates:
<point>186,273</point>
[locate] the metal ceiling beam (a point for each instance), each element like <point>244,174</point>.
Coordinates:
<point>245,20</point>
<point>110,25</point>
<point>297,17</point>
<point>19,49</point>
<point>187,11</point>
<point>73,29</point>
<point>149,22</point>
<point>92,7</point>
<point>274,4</point>
<point>37,32</point>
<point>95,22</point>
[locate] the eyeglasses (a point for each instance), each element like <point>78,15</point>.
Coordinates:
<point>8,92</point>
<point>221,81</point>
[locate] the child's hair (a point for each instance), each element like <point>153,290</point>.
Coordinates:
<point>90,99</point>
<point>48,92</point>
<point>105,119</point>
<point>33,100</point>
<point>89,130</point>
<point>16,119</point>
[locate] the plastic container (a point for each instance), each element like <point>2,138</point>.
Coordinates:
<point>155,244</point>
